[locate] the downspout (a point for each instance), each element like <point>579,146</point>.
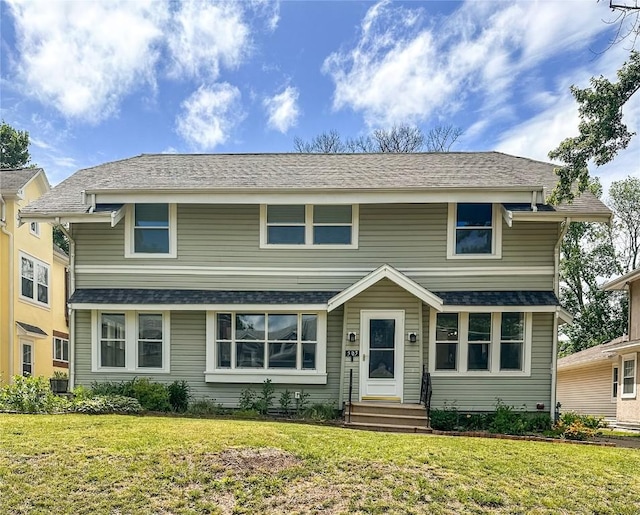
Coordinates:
<point>556,290</point>
<point>72,288</point>
<point>3,226</point>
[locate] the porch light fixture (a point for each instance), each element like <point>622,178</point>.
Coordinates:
<point>352,337</point>
<point>412,337</point>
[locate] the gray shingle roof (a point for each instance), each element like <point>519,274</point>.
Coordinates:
<point>310,172</point>
<point>590,355</point>
<point>14,179</point>
<point>31,328</point>
<point>143,296</point>
<point>498,298</point>
<point>157,296</point>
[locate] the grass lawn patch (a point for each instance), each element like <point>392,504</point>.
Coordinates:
<point>118,464</point>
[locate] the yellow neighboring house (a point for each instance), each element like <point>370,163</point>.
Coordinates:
<point>34,332</point>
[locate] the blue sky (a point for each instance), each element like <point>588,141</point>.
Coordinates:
<point>99,81</point>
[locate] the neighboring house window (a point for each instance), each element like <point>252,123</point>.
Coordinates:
<point>299,226</point>
<point>34,280</point>
<point>511,341</point>
<point>474,231</point>
<point>447,337</point>
<point>259,345</point>
<point>629,376</point>
<point>480,343</point>
<point>615,381</point>
<point>151,231</point>
<point>34,228</point>
<point>131,341</point>
<point>27,359</point>
<point>61,349</point>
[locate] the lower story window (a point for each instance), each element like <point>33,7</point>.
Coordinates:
<point>131,341</point>
<point>285,341</point>
<point>615,378</point>
<point>27,359</point>
<point>511,341</point>
<point>629,376</point>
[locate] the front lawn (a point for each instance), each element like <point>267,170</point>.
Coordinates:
<point>119,464</point>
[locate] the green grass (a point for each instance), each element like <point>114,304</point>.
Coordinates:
<point>117,464</point>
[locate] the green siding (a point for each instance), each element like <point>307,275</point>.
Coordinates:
<point>474,393</point>
<point>188,330</point>
<point>405,236</point>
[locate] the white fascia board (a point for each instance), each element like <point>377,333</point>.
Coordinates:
<point>623,348</point>
<point>507,216</point>
<point>385,272</point>
<point>67,218</point>
<point>563,315</point>
<point>118,215</point>
<point>328,196</point>
<point>622,282</point>
<point>271,308</point>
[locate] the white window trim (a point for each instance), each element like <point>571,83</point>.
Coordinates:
<point>494,350</point>
<point>615,366</point>
<point>277,376</point>
<point>53,342</point>
<point>308,236</point>
<point>31,344</point>
<point>35,232</point>
<point>496,241</point>
<point>131,342</point>
<point>628,357</point>
<point>34,300</point>
<point>129,234</point>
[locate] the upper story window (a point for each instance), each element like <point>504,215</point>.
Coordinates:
<point>300,226</point>
<point>150,231</point>
<point>34,228</point>
<point>34,280</point>
<point>474,231</point>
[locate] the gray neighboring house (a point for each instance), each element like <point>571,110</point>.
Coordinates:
<point>309,269</point>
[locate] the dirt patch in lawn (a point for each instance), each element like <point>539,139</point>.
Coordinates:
<point>249,460</point>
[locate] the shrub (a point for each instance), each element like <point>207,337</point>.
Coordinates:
<point>285,402</point>
<point>539,423</point>
<point>321,411</point>
<point>507,421</point>
<point>302,402</point>
<point>206,407</point>
<point>247,400</point>
<point>152,396</point>
<point>574,426</point>
<point>106,404</point>
<point>31,395</point>
<point>265,400</point>
<point>113,388</point>
<point>445,419</point>
<point>179,394</point>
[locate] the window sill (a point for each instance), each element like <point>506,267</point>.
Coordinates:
<point>474,256</point>
<point>32,302</point>
<point>170,255</point>
<point>259,376</point>
<point>476,373</point>
<point>626,396</point>
<point>123,370</point>
<point>306,246</point>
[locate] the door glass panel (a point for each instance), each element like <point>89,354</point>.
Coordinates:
<point>382,348</point>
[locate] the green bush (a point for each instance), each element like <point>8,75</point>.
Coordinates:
<point>179,394</point>
<point>206,407</point>
<point>574,426</point>
<point>152,396</point>
<point>445,419</point>
<point>508,421</point>
<point>247,400</point>
<point>105,404</point>
<point>285,402</point>
<point>321,411</point>
<point>265,400</point>
<point>31,395</point>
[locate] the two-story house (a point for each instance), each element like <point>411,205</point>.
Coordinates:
<point>311,269</point>
<point>34,337</point>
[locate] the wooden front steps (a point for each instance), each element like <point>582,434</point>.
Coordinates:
<point>379,416</point>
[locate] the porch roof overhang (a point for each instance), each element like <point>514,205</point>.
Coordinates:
<point>386,272</point>
<point>32,331</point>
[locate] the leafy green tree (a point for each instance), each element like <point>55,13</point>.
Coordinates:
<point>602,132</point>
<point>624,201</point>
<point>14,147</point>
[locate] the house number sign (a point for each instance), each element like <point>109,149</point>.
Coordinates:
<point>352,354</point>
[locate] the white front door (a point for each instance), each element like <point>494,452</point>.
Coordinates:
<point>382,355</point>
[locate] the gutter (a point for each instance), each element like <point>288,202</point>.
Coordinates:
<point>3,227</point>
<point>72,288</point>
<point>554,365</point>
<point>556,256</point>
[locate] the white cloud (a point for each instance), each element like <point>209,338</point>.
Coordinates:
<point>84,57</point>
<point>282,110</point>
<point>209,115</point>
<point>407,68</point>
<point>206,36</point>
<point>268,11</point>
